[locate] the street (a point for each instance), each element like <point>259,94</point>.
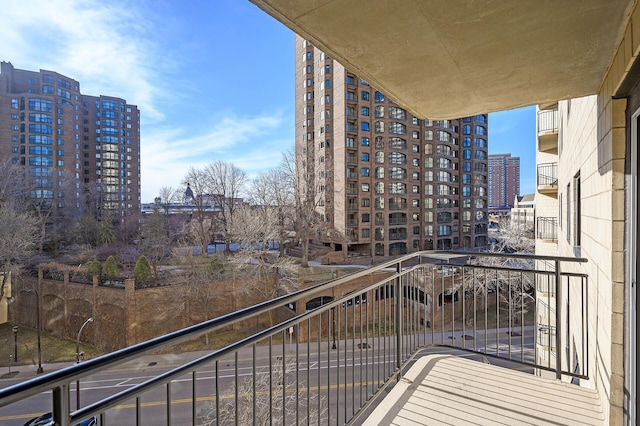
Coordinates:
<point>334,386</point>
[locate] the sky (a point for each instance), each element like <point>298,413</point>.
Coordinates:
<point>214,80</point>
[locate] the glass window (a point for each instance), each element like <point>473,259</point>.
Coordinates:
<point>365,156</point>
<point>397,143</point>
<point>397,113</point>
<point>397,173</point>
<point>364,95</point>
<point>365,187</point>
<point>364,172</point>
<point>366,218</point>
<point>364,126</point>
<point>379,97</point>
<point>36,104</point>
<point>397,128</point>
<point>365,141</point>
<point>397,158</point>
<point>364,111</point>
<point>379,126</point>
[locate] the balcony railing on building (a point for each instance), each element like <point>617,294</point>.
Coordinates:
<point>547,228</point>
<point>349,339</point>
<point>548,178</point>
<point>548,130</point>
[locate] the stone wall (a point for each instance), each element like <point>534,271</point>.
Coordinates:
<point>129,315</point>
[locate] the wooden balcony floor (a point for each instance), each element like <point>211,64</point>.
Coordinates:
<point>444,389</point>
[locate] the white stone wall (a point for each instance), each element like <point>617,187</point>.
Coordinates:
<point>592,143</point>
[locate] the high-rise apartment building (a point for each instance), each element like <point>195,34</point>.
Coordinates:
<point>386,181</point>
<point>70,144</point>
<point>504,180</point>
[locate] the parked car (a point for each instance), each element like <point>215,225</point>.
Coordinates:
<point>46,420</point>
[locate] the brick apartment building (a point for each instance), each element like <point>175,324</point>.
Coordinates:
<point>504,180</point>
<point>70,144</point>
<point>389,182</point>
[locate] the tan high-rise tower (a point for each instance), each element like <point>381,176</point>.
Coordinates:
<point>387,182</point>
<point>77,151</point>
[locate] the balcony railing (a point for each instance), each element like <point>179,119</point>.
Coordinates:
<point>548,121</point>
<point>547,228</point>
<point>548,177</point>
<point>350,339</point>
<point>548,130</point>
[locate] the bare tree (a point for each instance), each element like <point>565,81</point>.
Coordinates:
<point>166,196</point>
<point>273,275</point>
<point>18,238</point>
<point>272,194</point>
<point>270,393</point>
<point>155,242</point>
<point>309,196</point>
<point>202,225</point>
<point>226,184</point>
<point>19,235</point>
<point>513,288</point>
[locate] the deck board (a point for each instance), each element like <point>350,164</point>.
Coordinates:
<point>444,389</point>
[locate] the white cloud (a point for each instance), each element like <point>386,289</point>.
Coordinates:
<point>105,46</point>
<point>253,144</point>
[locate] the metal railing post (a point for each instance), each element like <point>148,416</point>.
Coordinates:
<point>558,321</point>
<point>61,405</point>
<point>398,319</point>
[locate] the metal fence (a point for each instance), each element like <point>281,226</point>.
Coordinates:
<point>328,364</point>
<point>548,174</point>
<point>547,228</point>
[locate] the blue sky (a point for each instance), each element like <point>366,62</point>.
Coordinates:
<point>214,80</point>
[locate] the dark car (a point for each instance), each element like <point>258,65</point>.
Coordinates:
<point>46,420</point>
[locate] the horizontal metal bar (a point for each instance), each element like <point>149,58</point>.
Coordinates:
<point>62,377</point>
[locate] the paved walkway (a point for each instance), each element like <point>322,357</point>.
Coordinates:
<point>449,390</point>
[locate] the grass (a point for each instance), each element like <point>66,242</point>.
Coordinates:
<point>53,349</point>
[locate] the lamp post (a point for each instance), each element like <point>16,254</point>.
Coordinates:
<point>38,333</point>
<point>15,343</point>
<point>78,355</point>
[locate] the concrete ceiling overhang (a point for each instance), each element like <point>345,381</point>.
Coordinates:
<point>453,58</point>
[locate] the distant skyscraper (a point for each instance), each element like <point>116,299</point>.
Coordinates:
<point>70,144</point>
<point>386,181</point>
<point>504,180</point>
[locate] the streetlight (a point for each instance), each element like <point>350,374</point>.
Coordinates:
<point>78,354</point>
<point>39,370</point>
<point>15,343</point>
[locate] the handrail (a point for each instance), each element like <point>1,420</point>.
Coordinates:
<point>401,352</point>
<point>37,385</point>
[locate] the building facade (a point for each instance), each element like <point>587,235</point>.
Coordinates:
<point>504,180</point>
<point>387,182</point>
<point>69,144</point>
<point>523,213</point>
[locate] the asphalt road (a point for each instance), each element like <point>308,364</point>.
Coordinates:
<point>343,380</point>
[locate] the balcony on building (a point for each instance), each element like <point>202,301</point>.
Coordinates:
<point>547,229</point>
<point>547,121</point>
<point>547,178</point>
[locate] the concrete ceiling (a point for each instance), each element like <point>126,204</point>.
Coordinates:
<point>453,58</point>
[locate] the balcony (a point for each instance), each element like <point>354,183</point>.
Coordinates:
<point>403,325</point>
<point>548,178</point>
<point>548,130</point>
<point>547,229</point>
